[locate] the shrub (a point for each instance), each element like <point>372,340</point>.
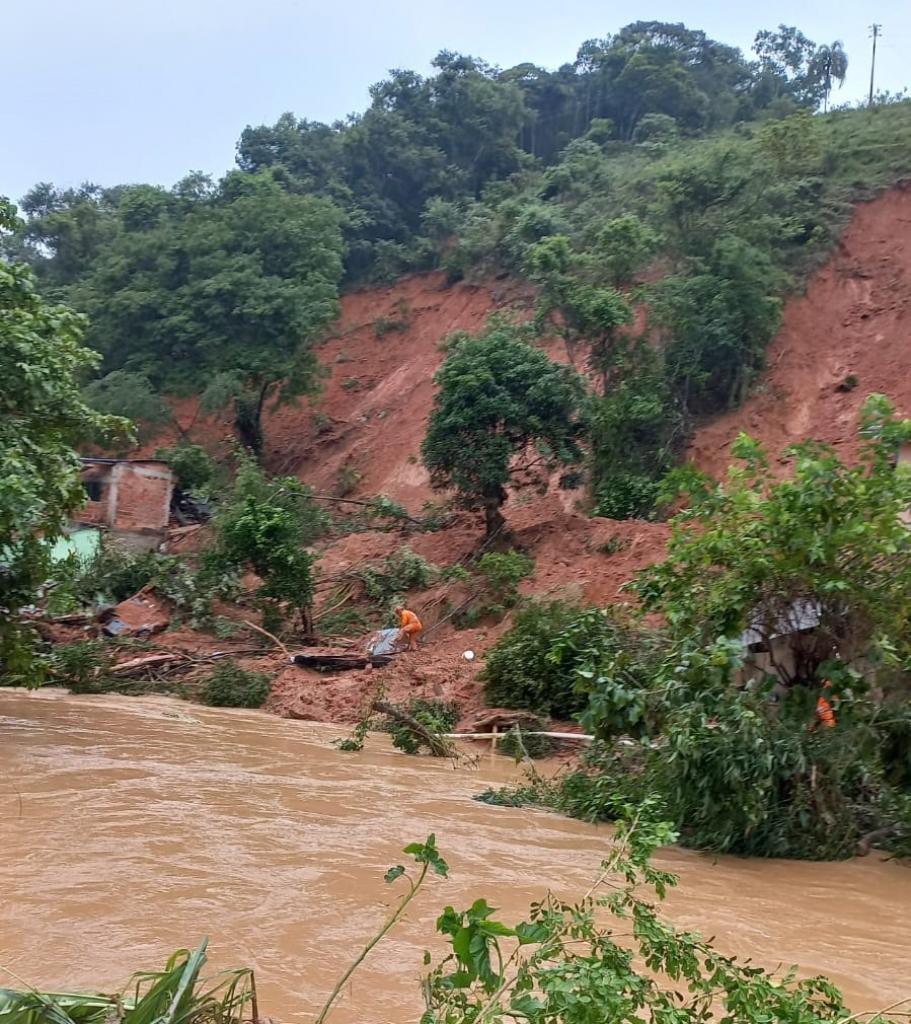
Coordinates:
<point>230,686</point>
<point>399,572</point>
<point>436,715</point>
<point>264,525</point>
<point>194,467</point>
<point>557,658</point>
<point>519,671</point>
<point>80,666</point>
<point>503,571</point>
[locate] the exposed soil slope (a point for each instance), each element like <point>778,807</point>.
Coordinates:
<point>853,321</point>
<point>363,433</point>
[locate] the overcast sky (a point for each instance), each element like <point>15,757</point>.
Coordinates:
<point>144,90</point>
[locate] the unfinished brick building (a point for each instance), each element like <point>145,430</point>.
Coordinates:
<point>131,498</point>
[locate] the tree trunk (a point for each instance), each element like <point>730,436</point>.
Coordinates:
<point>248,419</point>
<point>248,425</point>
<point>493,517</point>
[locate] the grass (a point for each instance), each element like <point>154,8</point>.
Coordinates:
<point>176,995</point>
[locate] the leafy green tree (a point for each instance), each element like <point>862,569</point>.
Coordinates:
<point>826,546</point>
<point>830,64</point>
<point>500,404</point>
<point>230,286</point>
<point>195,469</point>
<point>132,395</point>
<point>580,310</point>
<point>720,317</point>
<point>42,417</point>
<point>623,246</point>
<point>264,526</point>
<point>635,435</point>
<point>794,66</point>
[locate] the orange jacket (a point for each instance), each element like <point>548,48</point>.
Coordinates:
<point>824,713</point>
<point>407,618</point>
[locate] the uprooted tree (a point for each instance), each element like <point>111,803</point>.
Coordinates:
<point>502,406</point>
<point>42,418</point>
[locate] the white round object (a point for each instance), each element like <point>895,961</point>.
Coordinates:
<point>468,655</point>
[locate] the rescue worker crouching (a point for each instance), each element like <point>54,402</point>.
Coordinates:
<point>409,626</point>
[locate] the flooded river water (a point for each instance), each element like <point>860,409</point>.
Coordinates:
<point>132,827</point>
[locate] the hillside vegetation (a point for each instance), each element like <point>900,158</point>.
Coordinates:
<point>661,170</point>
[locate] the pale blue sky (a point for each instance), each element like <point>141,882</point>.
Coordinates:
<point>144,90</point>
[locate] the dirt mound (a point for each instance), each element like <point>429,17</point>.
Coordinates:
<point>848,336</point>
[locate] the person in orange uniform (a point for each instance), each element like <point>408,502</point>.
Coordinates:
<point>825,715</point>
<point>409,626</point>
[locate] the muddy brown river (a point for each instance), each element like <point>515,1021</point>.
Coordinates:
<point>132,827</point>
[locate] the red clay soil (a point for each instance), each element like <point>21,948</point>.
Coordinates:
<point>855,319</point>
<point>368,423</point>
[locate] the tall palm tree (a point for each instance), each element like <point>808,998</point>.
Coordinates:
<point>830,64</point>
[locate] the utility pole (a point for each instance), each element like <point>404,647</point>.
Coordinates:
<point>875,29</point>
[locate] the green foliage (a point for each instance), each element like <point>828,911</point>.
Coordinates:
<point>128,394</point>
<point>435,715</point>
<point>80,666</point>
<point>740,773</point>
<point>721,317</point>
<point>227,286</point>
<point>195,469</point>
<point>635,434</point>
<point>176,994</point>
<point>829,539</point>
<point>608,957</point>
<point>230,686</point>
<point>556,653</point>
<point>579,308</point>
<point>497,396</point>
<point>264,525</point>
<point>503,572</point>
<point>400,572</point>
<point>112,575</point>
<point>624,246</point>
<point>400,322</point>
<point>42,417</point>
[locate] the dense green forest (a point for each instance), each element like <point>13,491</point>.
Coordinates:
<point>660,167</point>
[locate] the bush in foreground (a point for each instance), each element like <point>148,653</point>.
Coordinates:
<point>231,686</point>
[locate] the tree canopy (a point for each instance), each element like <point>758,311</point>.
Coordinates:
<point>501,405</point>
<point>42,418</point>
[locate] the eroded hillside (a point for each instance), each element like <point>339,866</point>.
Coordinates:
<point>362,434</point>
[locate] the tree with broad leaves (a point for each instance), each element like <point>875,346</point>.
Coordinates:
<point>825,548</point>
<point>42,418</point>
<point>501,406</point>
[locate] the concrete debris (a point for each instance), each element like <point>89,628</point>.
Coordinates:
<point>143,614</point>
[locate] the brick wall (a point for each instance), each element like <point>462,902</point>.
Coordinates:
<point>143,496</point>
<point>130,496</point>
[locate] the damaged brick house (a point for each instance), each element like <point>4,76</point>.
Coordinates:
<point>129,498</point>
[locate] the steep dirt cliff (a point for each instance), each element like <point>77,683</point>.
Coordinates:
<point>849,335</point>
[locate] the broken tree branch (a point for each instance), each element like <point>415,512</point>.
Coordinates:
<point>439,746</point>
<point>270,636</point>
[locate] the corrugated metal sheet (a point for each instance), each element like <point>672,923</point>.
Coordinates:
<point>801,615</point>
